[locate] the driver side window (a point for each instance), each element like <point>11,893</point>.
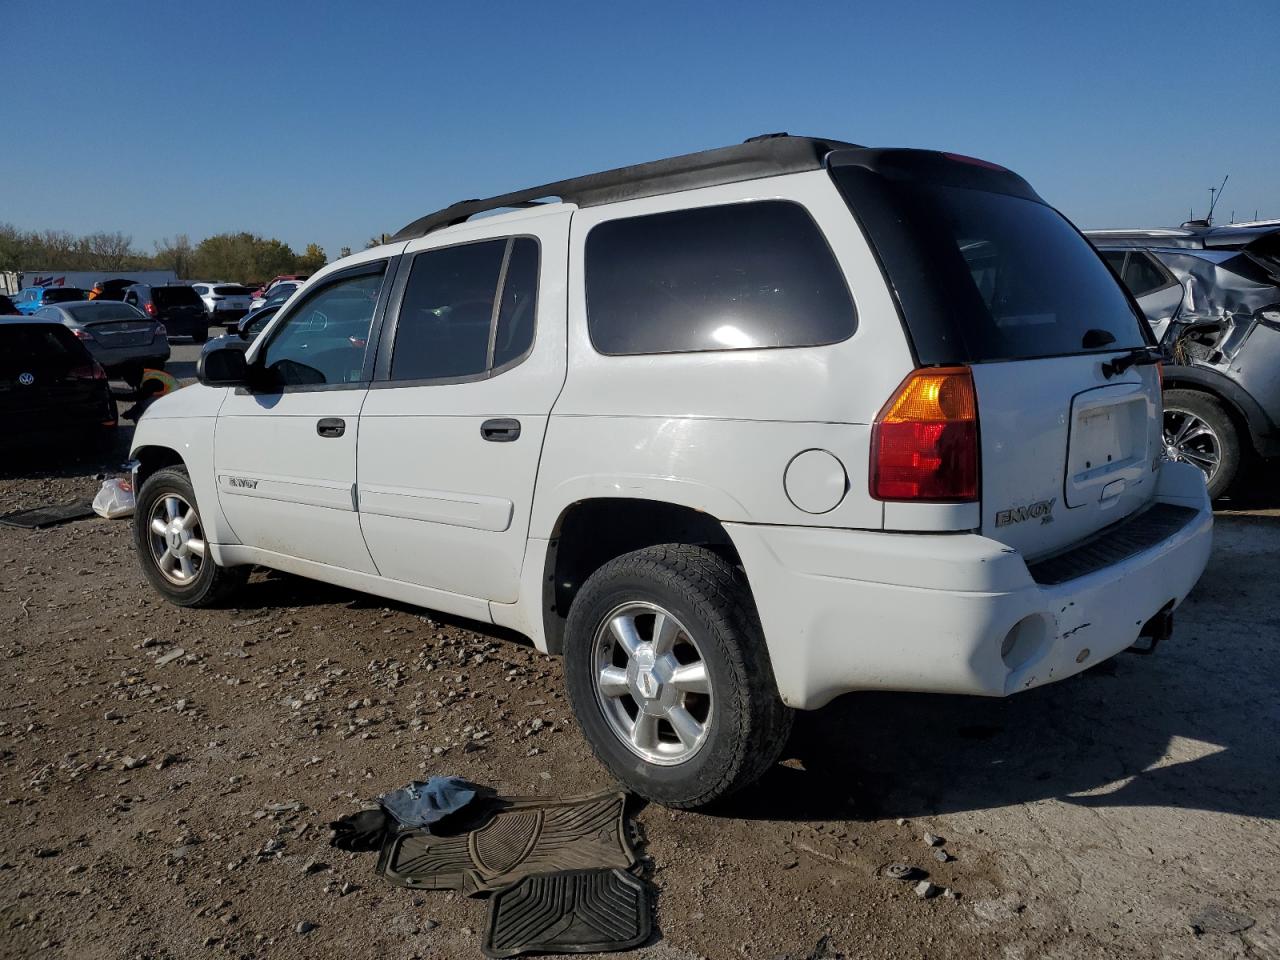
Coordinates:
<point>324,339</point>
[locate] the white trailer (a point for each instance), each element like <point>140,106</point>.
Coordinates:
<point>12,282</point>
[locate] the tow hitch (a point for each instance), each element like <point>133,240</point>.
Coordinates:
<point>1154,630</point>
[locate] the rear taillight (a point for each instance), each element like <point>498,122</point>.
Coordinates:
<point>150,308</point>
<point>82,334</point>
<point>924,443</point>
<point>92,371</point>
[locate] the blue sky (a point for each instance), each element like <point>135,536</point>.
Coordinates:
<point>329,122</point>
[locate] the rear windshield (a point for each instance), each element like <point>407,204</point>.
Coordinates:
<point>232,291</point>
<point>24,347</point>
<point>175,297</point>
<point>107,311</point>
<point>985,276</point>
<point>63,295</point>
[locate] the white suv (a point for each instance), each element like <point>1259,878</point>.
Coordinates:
<point>734,433</point>
<point>226,302</point>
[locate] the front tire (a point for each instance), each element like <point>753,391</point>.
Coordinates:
<point>171,546</point>
<point>668,674</point>
<point>1198,431</point>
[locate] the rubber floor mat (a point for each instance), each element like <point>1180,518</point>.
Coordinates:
<point>510,839</point>
<point>38,517</point>
<point>577,911</point>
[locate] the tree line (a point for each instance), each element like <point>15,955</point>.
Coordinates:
<point>240,256</point>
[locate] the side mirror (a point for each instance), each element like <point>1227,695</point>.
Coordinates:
<point>223,365</point>
<point>245,329</point>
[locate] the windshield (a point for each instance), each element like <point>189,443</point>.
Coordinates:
<point>985,276</point>
<point>63,295</point>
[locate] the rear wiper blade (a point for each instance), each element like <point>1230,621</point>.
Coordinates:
<point>1136,357</point>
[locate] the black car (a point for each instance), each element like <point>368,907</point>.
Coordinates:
<point>175,305</point>
<point>7,307</point>
<point>1212,296</point>
<point>50,387</point>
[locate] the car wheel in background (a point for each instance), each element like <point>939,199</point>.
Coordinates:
<point>1197,430</point>
<point>169,537</point>
<point>668,674</point>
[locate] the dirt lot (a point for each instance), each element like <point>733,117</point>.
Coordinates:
<point>1093,818</point>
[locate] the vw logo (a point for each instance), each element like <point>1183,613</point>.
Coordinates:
<point>26,379</point>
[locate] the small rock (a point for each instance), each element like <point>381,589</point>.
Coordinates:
<point>112,715</point>
<point>902,821</point>
<point>926,890</point>
<point>949,894</point>
<point>133,763</point>
<point>346,888</point>
<point>933,840</point>
<point>941,855</point>
<point>45,852</point>
<point>171,656</point>
<point>304,927</point>
<point>1213,919</point>
<point>900,871</point>
<point>314,866</point>
<point>429,924</point>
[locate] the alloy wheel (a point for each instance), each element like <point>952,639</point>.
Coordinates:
<point>652,683</point>
<point>177,539</point>
<point>1189,439</point>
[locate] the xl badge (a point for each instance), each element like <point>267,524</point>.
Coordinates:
<point>1041,508</point>
<point>26,379</point>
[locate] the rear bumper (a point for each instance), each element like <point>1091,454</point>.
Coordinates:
<point>855,610</point>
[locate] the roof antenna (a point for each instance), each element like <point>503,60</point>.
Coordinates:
<point>1213,200</point>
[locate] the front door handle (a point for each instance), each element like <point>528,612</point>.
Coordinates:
<point>502,430</point>
<point>331,427</point>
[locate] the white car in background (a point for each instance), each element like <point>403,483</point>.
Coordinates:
<point>226,302</point>
<point>278,293</point>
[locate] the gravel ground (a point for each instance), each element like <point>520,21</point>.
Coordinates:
<point>167,778</point>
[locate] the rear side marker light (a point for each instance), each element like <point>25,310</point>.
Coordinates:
<point>924,442</point>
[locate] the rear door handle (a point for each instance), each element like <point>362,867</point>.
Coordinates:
<point>502,430</point>
<point>331,427</point>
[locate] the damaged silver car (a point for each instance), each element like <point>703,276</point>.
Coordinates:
<point>1212,296</point>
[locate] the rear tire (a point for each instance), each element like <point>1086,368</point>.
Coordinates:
<point>200,336</point>
<point>1199,431</point>
<point>182,573</point>
<point>705,695</point>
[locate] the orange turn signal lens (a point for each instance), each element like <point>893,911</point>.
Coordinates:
<point>941,393</point>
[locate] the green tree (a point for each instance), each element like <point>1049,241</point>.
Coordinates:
<point>312,260</point>
<point>176,255</point>
<point>242,256</point>
<point>344,252</point>
<point>377,241</point>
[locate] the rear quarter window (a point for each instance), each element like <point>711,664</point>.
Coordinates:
<point>732,277</point>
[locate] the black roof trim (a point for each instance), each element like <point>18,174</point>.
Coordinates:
<point>766,156</point>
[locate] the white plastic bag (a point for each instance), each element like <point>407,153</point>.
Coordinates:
<point>115,499</point>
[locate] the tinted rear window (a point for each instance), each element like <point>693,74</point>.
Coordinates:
<point>63,295</point>
<point>43,346</point>
<point>175,297</point>
<point>985,276</point>
<point>738,276</point>
<point>230,291</point>
<point>107,311</point>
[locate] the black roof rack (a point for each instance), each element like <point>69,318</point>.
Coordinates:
<point>764,156</point>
